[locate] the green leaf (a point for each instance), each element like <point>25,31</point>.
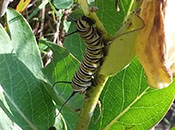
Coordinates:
<point>62,68</point>
<point>24,43</point>
<point>108,15</point>
<point>74,43</point>
<point>172,128</point>
<point>36,10</point>
<point>62,4</point>
<point>6,123</point>
<point>23,97</point>
<point>129,103</point>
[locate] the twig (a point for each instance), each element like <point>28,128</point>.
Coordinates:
<point>56,36</point>
<point>42,21</point>
<point>36,28</point>
<point>50,25</point>
<point>33,2</point>
<point>62,31</point>
<point>3,6</point>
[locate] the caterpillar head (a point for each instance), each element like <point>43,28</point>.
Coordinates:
<point>84,23</point>
<point>88,20</point>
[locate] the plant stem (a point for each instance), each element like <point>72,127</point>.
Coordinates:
<point>93,15</point>
<point>84,6</point>
<point>90,102</point>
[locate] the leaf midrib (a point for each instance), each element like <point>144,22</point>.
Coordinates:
<point>126,109</point>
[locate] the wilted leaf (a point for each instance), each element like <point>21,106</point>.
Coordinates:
<point>155,42</point>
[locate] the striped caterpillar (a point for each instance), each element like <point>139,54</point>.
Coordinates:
<point>92,59</point>
<point>93,54</point>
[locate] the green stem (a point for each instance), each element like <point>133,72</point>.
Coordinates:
<point>93,15</point>
<point>90,102</point>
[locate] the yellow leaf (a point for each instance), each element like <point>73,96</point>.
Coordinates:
<point>22,5</point>
<point>122,49</point>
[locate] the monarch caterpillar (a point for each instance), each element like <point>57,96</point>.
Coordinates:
<point>94,52</point>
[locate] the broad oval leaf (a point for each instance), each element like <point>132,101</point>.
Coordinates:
<point>129,103</point>
<point>108,15</point>
<point>62,68</point>
<point>26,101</point>
<point>74,43</point>
<point>24,42</point>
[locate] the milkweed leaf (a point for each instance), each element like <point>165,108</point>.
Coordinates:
<point>128,102</point>
<point>23,96</point>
